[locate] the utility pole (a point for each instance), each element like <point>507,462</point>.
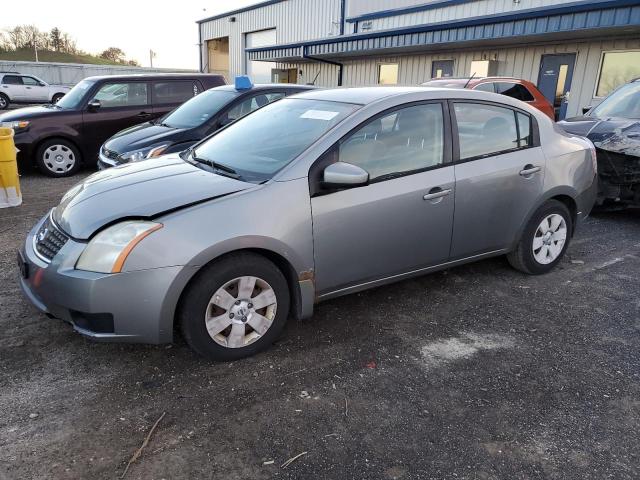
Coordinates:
<point>152,54</point>
<point>35,46</point>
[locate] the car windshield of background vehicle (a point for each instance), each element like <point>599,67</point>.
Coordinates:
<point>259,145</point>
<point>624,102</point>
<point>198,110</point>
<point>617,69</point>
<point>73,98</point>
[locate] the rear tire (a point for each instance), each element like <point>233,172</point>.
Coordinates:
<point>4,101</point>
<point>544,241</point>
<point>58,158</point>
<point>234,307</point>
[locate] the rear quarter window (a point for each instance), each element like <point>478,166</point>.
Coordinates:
<point>171,92</point>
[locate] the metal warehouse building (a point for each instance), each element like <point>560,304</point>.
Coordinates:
<point>576,52</point>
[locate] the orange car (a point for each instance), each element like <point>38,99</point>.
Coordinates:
<point>511,87</point>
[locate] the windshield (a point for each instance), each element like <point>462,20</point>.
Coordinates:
<point>624,102</point>
<point>199,109</point>
<point>277,134</point>
<point>74,96</point>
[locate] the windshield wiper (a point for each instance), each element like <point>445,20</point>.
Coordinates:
<point>219,167</point>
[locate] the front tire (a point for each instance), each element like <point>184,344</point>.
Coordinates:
<point>4,101</point>
<point>56,98</point>
<point>58,158</point>
<point>544,241</point>
<point>235,307</point>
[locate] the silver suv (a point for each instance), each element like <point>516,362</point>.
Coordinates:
<point>18,88</point>
<point>315,196</point>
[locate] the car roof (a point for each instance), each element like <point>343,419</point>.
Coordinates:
<point>474,79</point>
<point>265,86</point>
<point>358,95</point>
<point>152,76</point>
<point>370,95</point>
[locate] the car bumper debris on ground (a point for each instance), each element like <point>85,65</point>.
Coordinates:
<point>478,372</point>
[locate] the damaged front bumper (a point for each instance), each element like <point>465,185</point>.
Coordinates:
<point>618,178</point>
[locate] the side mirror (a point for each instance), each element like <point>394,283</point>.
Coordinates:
<point>344,175</point>
<point>42,84</point>
<point>94,105</point>
<point>586,109</point>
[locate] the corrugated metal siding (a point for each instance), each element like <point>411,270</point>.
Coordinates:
<point>440,14</point>
<point>72,73</point>
<point>294,20</point>
<point>515,62</point>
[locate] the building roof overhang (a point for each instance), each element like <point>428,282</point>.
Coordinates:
<point>573,20</point>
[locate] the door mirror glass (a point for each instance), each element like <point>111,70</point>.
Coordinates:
<point>94,105</point>
<point>341,175</point>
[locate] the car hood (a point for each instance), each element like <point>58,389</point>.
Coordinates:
<point>138,190</point>
<point>141,136</point>
<point>28,113</point>
<point>618,135</point>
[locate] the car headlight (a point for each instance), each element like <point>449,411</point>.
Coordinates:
<point>144,153</point>
<point>19,126</point>
<point>109,249</point>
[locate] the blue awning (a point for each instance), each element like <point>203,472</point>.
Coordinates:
<point>570,20</point>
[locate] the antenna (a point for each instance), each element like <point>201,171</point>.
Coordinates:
<point>470,78</point>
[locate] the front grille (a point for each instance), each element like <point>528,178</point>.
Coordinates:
<point>49,240</point>
<point>110,154</point>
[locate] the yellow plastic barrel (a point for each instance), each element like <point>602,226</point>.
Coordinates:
<point>10,195</point>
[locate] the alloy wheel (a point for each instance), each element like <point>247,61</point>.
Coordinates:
<point>241,311</point>
<point>549,239</point>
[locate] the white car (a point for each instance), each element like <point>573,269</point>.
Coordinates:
<point>18,88</point>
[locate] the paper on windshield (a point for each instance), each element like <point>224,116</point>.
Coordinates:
<point>319,114</point>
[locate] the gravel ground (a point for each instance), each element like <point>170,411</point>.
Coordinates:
<point>477,372</point>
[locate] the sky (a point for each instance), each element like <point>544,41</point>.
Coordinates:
<point>135,26</point>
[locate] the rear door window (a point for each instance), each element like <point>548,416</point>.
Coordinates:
<point>487,130</point>
<point>514,90</point>
<point>173,92</point>
<point>12,80</point>
<point>114,95</point>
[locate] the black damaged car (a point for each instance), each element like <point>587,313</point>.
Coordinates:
<point>614,128</point>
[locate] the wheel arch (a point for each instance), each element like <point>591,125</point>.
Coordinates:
<point>283,264</point>
<point>566,195</point>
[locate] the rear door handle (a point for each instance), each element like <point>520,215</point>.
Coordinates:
<point>436,193</point>
<point>529,170</point>
<point>144,115</point>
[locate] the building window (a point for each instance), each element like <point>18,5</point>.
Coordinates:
<point>388,74</point>
<point>617,68</point>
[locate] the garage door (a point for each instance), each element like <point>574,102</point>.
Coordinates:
<point>260,72</point>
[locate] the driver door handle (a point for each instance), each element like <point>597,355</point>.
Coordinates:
<point>144,115</point>
<point>436,193</point>
<point>529,170</point>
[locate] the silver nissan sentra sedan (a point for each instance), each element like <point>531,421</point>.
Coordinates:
<point>314,196</point>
